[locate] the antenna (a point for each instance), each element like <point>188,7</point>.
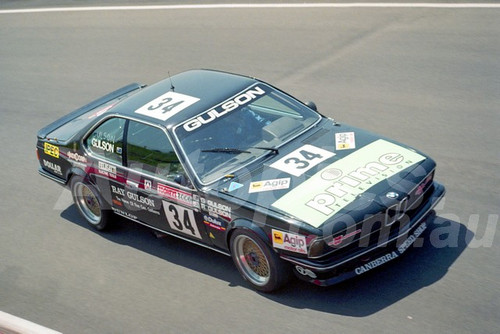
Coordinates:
<point>171,84</point>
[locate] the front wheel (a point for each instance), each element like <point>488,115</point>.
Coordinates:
<point>90,203</point>
<point>257,262</point>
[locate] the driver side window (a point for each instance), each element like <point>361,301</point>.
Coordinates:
<point>149,151</point>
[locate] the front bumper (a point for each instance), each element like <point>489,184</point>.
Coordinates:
<point>328,272</point>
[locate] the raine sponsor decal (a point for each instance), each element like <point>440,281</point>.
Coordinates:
<point>228,106</point>
<point>51,150</point>
<point>167,105</point>
<point>392,255</point>
<point>337,185</point>
<point>289,241</point>
<point>267,185</point>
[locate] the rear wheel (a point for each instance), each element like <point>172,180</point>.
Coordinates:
<point>90,203</point>
<point>257,262</point>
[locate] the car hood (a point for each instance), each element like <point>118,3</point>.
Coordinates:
<point>332,170</point>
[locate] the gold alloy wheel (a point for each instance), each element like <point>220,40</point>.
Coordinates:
<point>252,260</point>
<point>87,203</point>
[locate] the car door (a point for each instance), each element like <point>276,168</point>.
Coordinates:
<point>104,145</point>
<point>158,184</point>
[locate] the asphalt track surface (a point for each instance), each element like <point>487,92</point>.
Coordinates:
<point>428,77</point>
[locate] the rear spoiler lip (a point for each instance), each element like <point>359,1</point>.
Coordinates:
<point>42,133</point>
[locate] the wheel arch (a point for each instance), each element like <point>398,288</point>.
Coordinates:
<point>75,171</point>
<point>243,223</point>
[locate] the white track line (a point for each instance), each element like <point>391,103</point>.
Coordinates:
<point>263,5</point>
<point>12,324</point>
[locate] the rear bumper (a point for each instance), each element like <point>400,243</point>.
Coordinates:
<point>328,272</point>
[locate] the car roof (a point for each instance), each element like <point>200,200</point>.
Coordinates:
<point>209,86</point>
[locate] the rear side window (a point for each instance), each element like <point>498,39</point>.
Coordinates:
<point>106,140</point>
<point>149,150</point>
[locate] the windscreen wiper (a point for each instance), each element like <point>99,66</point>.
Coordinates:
<point>238,150</point>
<point>226,150</point>
<point>272,149</point>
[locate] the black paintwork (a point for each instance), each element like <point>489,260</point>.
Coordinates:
<point>218,209</point>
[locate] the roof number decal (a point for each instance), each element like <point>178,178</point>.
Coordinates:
<point>167,105</point>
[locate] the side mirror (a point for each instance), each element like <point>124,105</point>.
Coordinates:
<point>311,105</point>
<point>180,179</point>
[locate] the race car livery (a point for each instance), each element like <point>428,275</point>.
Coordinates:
<point>236,165</point>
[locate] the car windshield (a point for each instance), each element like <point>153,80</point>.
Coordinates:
<point>241,129</point>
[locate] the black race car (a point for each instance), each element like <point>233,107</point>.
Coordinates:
<point>236,165</point>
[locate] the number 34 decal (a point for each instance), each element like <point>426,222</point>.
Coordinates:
<point>181,219</point>
<point>302,159</point>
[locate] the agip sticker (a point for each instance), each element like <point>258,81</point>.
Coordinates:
<point>289,241</point>
<point>268,185</point>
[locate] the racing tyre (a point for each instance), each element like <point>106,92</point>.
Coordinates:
<point>90,203</point>
<point>257,262</point>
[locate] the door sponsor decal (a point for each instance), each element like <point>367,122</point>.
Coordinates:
<point>167,105</point>
<point>175,194</point>
<point>337,185</point>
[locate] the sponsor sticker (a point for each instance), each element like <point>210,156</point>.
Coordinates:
<point>103,145</point>
<point>341,238</point>
<point>289,241</point>
<point>224,108</point>
<point>392,255</point>
<point>345,141</point>
<point>77,157</point>
<point>267,185</point>
<point>101,111</point>
<point>106,169</point>
<point>337,185</point>
<point>174,194</point>
<point>51,150</point>
<point>214,223</point>
<point>234,185</point>
<point>302,159</point>
<point>167,105</point>
<point>53,167</point>
<point>215,209</point>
